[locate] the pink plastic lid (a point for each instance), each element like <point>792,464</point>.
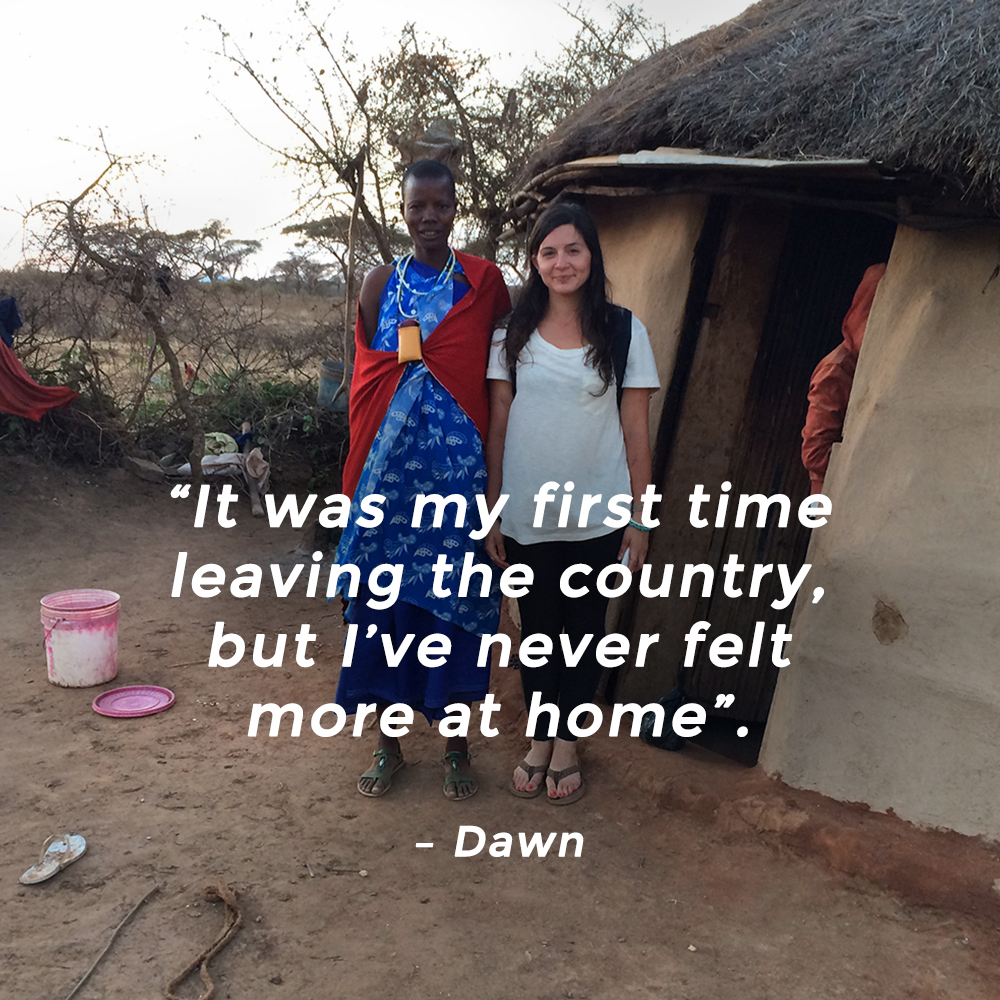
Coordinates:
<point>131,702</point>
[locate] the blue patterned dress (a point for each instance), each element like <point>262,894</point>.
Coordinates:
<point>426,444</point>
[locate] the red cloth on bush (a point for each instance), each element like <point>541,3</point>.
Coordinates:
<point>22,396</point>
<point>455,353</point>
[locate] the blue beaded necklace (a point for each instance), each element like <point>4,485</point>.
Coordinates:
<point>440,282</point>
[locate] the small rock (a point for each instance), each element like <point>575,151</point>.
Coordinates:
<point>425,899</point>
<point>691,947</point>
<point>143,469</point>
<point>276,979</point>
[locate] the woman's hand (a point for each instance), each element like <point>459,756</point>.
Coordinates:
<point>635,430</point>
<point>501,396</point>
<point>637,544</point>
<point>495,547</point>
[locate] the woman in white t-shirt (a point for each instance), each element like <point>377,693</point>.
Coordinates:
<point>559,422</point>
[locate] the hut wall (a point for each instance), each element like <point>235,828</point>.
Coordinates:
<point>648,245</point>
<point>892,697</point>
<point>708,426</point>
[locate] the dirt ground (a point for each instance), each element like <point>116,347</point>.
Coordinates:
<point>669,899</point>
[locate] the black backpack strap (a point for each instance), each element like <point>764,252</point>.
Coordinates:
<point>619,348</point>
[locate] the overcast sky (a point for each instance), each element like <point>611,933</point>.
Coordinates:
<point>147,76</point>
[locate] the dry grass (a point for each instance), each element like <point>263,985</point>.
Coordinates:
<point>233,329</point>
<point>254,354</point>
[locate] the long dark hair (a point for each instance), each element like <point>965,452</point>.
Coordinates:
<point>595,318</point>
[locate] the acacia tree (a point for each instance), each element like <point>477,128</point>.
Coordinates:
<point>359,122</point>
<point>210,252</point>
<point>329,235</point>
<point>129,299</point>
<point>127,258</point>
<point>302,272</point>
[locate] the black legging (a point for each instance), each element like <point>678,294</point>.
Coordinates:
<point>547,610</point>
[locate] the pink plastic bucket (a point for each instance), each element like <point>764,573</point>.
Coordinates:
<point>81,636</point>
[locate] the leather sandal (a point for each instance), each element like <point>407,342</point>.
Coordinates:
<point>456,779</point>
<point>382,772</point>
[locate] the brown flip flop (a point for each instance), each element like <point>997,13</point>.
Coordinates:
<point>558,776</point>
<point>531,770</point>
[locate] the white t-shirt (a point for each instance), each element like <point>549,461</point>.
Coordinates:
<point>560,430</point>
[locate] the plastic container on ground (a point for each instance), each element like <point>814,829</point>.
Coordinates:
<point>81,636</point>
<point>330,375</point>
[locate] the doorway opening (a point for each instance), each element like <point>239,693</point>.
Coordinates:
<point>823,258</point>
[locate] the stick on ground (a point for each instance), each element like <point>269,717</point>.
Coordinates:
<point>128,916</point>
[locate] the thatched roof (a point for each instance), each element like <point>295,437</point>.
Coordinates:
<point>912,84</point>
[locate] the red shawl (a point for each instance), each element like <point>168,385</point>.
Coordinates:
<point>456,354</point>
<point>831,383</point>
<point>21,395</point>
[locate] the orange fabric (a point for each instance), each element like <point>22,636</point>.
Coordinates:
<point>831,382</point>
<point>455,353</point>
<point>22,396</point>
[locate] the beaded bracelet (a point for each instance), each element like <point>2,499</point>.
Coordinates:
<point>638,525</point>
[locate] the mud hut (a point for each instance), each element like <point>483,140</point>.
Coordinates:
<point>743,180</point>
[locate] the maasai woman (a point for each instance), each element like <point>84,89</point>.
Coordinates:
<point>568,426</point>
<point>419,411</point>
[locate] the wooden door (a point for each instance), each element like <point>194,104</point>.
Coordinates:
<point>823,260</point>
